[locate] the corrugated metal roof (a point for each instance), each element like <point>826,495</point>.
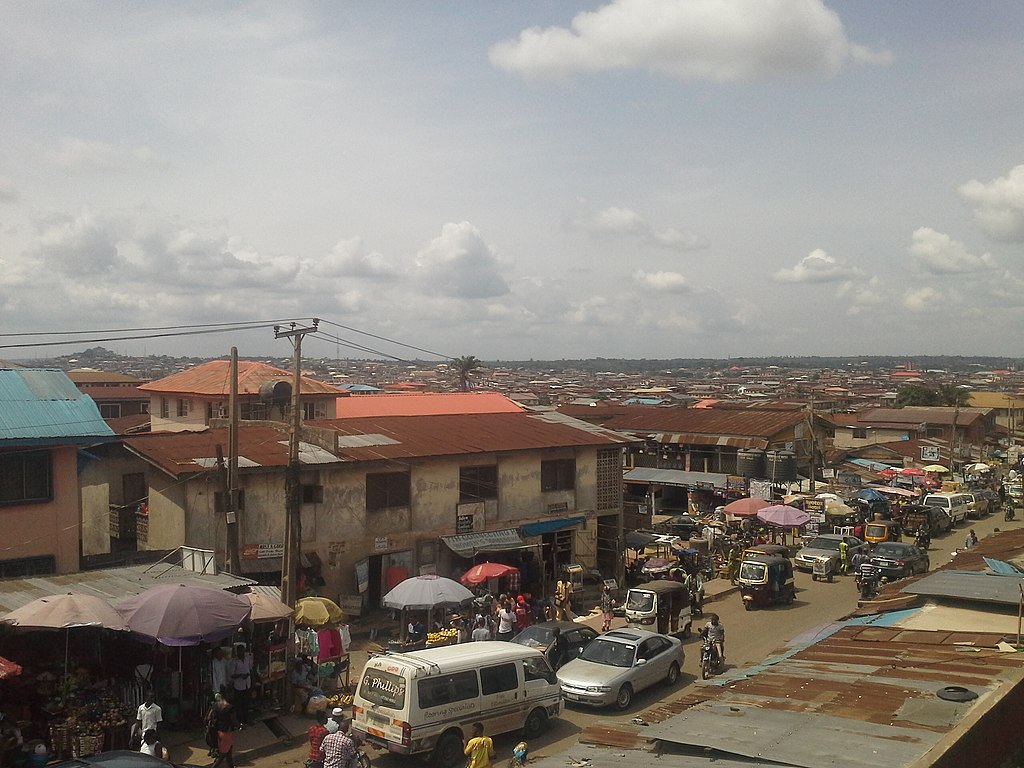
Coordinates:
<point>213,378</point>
<point>723,422</point>
<point>674,477</point>
<point>111,584</point>
<point>390,437</point>
<point>425,403</point>
<point>692,438</point>
<point>43,403</point>
<point>978,586</point>
<point>870,686</point>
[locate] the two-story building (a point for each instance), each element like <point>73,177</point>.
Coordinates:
<point>191,399</point>
<point>46,424</point>
<point>390,495</point>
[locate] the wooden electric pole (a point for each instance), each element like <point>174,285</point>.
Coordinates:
<point>293,487</point>
<point>234,564</point>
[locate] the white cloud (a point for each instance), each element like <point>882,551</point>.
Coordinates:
<point>625,222</point>
<point>925,299</point>
<point>460,264</point>
<point>817,267</point>
<point>8,190</point>
<point>661,282</point>
<point>998,206</point>
<point>349,258</point>
<point>939,253</point>
<point>720,40</point>
<point>79,156</point>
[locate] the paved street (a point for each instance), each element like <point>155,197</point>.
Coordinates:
<point>751,636</point>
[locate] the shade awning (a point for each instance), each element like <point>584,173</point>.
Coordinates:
<point>677,477</point>
<point>639,541</point>
<point>469,544</point>
<point>549,526</point>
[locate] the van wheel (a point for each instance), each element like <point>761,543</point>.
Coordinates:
<point>448,752</point>
<point>624,697</point>
<point>673,674</point>
<point>535,724</point>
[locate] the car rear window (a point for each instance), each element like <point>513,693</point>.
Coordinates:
<point>383,688</point>
<point>890,550</point>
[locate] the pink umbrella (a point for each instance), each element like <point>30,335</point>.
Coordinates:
<point>745,507</point>
<point>784,516</point>
<point>484,571</point>
<point>179,614</point>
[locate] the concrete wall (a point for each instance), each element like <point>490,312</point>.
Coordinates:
<point>844,437</point>
<point>48,528</point>
<point>101,484</point>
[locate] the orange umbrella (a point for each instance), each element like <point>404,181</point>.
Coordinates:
<point>745,507</point>
<point>484,571</point>
<point>8,668</point>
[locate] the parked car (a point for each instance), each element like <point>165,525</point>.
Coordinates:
<point>618,664</point>
<point>981,503</point>
<point>897,559</point>
<point>826,545</point>
<point>933,519</point>
<point>540,636</point>
<point>683,526</point>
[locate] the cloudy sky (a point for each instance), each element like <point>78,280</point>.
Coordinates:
<point>632,178</point>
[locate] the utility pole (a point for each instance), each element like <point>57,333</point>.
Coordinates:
<point>233,555</point>
<point>293,489</point>
<point>814,442</point>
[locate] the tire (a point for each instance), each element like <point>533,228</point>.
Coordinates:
<point>705,668</point>
<point>673,674</point>
<point>535,724</point>
<point>448,751</point>
<point>748,605</point>
<point>624,697</point>
<point>363,761</point>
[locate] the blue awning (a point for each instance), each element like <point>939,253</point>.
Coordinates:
<point>549,526</point>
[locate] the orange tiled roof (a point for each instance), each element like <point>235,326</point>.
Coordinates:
<point>212,379</point>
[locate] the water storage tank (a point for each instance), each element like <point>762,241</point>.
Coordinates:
<point>780,466</point>
<point>750,462</point>
<point>276,392</point>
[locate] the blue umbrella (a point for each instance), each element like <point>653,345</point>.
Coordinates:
<point>870,494</point>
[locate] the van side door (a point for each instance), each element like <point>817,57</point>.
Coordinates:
<point>501,697</point>
<point>540,685</point>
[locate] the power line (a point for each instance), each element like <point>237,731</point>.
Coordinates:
<point>144,328</point>
<point>390,341</point>
<point>65,342</point>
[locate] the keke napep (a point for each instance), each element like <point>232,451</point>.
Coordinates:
<point>765,579</point>
<point>662,603</point>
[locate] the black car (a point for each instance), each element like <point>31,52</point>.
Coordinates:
<point>539,636</point>
<point>683,526</point>
<point>896,560</point>
<point>118,758</point>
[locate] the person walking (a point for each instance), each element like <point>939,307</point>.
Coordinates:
<point>479,749</point>
<point>147,718</point>
<point>607,603</point>
<point>222,717</point>
<point>844,557</point>
<point>506,622</point>
<point>317,733</point>
<point>481,632</point>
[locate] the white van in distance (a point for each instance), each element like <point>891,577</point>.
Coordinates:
<point>427,701</point>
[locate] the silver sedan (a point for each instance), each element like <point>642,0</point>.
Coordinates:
<point>618,664</point>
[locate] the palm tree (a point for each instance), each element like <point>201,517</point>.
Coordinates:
<point>463,367</point>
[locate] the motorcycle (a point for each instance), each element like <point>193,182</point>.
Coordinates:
<point>1010,513</point>
<point>867,582</point>
<point>710,662</point>
<point>923,540</point>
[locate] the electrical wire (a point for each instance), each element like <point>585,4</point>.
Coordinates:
<point>390,341</point>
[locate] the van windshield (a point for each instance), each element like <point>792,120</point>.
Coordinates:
<point>936,501</point>
<point>383,688</point>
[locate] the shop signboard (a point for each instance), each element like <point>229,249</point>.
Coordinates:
<point>363,575</point>
<point>816,509</point>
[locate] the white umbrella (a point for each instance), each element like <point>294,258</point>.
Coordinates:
<point>424,592</point>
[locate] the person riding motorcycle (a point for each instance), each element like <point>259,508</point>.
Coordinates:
<point>714,631</point>
<point>924,539</point>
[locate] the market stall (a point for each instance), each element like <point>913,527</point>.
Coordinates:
<point>323,639</point>
<point>428,594</point>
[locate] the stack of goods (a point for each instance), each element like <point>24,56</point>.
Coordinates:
<point>443,637</point>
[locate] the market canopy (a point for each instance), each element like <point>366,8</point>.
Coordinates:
<point>639,540</point>
<point>469,544</point>
<point>747,507</point>
<point>478,574</point>
<point>869,494</point>
<point>425,592</point>
<point>66,611</point>
<point>266,607</point>
<point>178,614</point>
<point>317,612</point>
<point>8,668</point>
<point>784,516</point>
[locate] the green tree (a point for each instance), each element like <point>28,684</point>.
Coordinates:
<point>464,367</point>
<point>915,394</point>
<point>952,395</point>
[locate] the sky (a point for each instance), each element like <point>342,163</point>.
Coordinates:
<point>530,180</point>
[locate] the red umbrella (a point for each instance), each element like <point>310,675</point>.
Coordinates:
<point>8,668</point>
<point>912,471</point>
<point>745,507</point>
<point>484,571</point>
<point>889,473</point>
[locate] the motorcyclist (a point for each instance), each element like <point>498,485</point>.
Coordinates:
<point>859,558</point>
<point>924,538</point>
<point>714,631</point>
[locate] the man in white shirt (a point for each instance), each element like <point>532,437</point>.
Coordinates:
<point>149,716</point>
<point>219,672</point>
<point>506,622</point>
<point>241,680</point>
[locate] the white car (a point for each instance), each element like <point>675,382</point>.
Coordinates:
<point>826,545</point>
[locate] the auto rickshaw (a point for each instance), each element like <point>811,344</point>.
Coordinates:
<point>766,580</point>
<point>662,605</point>
<point>778,550</point>
<point>877,531</point>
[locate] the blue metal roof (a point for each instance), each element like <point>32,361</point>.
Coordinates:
<point>42,405</point>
